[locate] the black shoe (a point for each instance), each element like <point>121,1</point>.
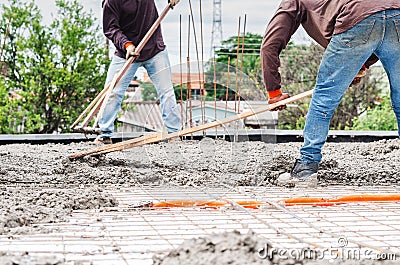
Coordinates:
<point>304,174</point>
<point>102,140</point>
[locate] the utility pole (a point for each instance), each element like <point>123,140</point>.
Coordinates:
<point>216,38</point>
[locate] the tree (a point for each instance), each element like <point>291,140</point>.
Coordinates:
<point>299,69</point>
<point>3,101</point>
<point>242,57</point>
<point>149,92</point>
<point>57,69</point>
<point>378,118</point>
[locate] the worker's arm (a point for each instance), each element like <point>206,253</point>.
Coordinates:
<point>363,71</point>
<point>283,25</point>
<point>371,60</point>
<point>111,27</point>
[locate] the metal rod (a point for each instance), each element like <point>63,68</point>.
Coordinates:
<point>202,41</point>
<point>241,75</point>
<point>242,57</point>
<point>203,91</point>
<point>181,71</point>
<point>189,85</point>
<point>215,95</point>
<point>227,86</point>
<point>237,63</point>
<point>237,81</point>
<point>198,66</point>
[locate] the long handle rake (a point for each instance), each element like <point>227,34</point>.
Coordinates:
<point>157,137</point>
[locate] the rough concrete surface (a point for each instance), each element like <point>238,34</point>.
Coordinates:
<point>26,259</point>
<point>39,184</point>
<point>233,248</point>
<point>226,248</point>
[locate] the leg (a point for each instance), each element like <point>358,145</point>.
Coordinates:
<point>335,75</point>
<point>159,71</point>
<point>113,106</point>
<point>389,54</point>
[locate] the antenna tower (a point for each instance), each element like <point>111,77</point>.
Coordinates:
<point>216,38</point>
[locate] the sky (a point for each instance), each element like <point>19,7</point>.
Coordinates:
<point>258,12</point>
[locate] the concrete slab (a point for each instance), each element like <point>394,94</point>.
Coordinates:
<point>132,236</point>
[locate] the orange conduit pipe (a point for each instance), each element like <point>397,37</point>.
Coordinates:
<point>372,198</point>
<point>300,201</point>
<point>205,204</point>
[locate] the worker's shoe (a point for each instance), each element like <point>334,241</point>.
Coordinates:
<point>301,175</point>
<point>175,139</point>
<point>304,174</point>
<point>102,140</point>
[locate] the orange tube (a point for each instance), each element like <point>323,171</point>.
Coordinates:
<point>305,200</point>
<point>250,204</point>
<point>187,203</point>
<point>345,199</point>
<point>369,198</point>
<point>310,201</point>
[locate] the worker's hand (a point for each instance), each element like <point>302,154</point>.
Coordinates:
<point>130,51</point>
<point>173,3</point>
<point>359,76</point>
<point>277,99</point>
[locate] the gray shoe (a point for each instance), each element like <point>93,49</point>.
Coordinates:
<point>175,139</point>
<point>304,174</point>
<point>102,140</point>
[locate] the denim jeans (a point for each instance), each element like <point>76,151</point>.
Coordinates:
<point>346,53</point>
<point>159,72</point>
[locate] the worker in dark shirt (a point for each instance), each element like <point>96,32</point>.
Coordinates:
<point>125,23</point>
<point>355,33</point>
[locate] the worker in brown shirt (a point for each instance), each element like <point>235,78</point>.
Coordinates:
<point>355,33</point>
<point>126,23</point>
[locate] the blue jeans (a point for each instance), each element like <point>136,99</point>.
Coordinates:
<point>378,34</point>
<point>159,72</point>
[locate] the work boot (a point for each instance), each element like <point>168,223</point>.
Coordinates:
<point>304,174</point>
<point>102,140</point>
<point>175,139</point>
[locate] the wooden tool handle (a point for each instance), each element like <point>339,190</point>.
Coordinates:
<point>157,137</point>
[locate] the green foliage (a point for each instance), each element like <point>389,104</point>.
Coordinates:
<point>57,69</point>
<point>379,118</point>
<point>149,92</point>
<point>243,55</point>
<point>299,70</point>
<point>3,101</point>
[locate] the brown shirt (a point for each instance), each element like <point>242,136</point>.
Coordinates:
<point>321,19</point>
<point>128,21</point>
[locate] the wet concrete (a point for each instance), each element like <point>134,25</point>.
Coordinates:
<point>27,259</point>
<point>226,248</point>
<point>342,163</point>
<point>23,209</point>
<point>39,184</point>
<point>233,248</point>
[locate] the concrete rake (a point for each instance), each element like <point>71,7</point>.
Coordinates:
<point>158,137</point>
